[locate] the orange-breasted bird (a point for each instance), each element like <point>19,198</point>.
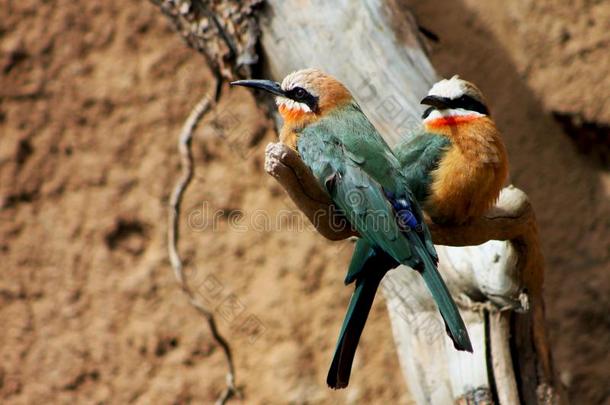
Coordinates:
<point>365,180</point>
<point>457,166</point>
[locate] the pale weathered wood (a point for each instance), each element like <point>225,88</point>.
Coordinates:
<point>504,375</point>
<point>373,47</point>
<point>387,71</point>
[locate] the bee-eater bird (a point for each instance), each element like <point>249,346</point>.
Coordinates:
<point>352,162</point>
<point>458,164</point>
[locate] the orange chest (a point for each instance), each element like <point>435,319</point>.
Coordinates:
<point>292,115</point>
<point>288,137</point>
<point>294,120</point>
<point>470,175</point>
<point>475,140</point>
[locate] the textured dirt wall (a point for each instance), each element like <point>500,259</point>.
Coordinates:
<point>92,97</point>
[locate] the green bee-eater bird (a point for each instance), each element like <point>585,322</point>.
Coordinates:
<point>353,163</point>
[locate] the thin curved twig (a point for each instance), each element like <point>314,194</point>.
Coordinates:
<point>173,235</point>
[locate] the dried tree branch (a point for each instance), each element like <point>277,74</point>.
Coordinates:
<point>173,235</point>
<point>506,221</point>
<point>225,32</point>
<point>285,165</point>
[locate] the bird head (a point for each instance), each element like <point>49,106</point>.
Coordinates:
<point>303,96</point>
<point>453,101</point>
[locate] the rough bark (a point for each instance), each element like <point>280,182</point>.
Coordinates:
<point>224,31</point>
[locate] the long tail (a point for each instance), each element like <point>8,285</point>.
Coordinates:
<point>368,268</point>
<point>446,306</point>
<point>353,324</point>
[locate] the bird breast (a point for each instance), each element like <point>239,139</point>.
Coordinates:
<point>470,175</point>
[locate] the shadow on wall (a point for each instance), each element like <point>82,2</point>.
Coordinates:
<point>565,188</point>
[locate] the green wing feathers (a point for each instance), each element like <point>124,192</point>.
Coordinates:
<point>368,210</point>
<point>372,187</point>
<point>363,252</point>
<point>451,315</point>
<point>418,157</point>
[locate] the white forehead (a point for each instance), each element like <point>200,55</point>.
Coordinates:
<point>450,88</point>
<point>301,78</point>
<point>293,80</point>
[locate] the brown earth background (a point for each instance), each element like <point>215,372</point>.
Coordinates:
<point>92,97</point>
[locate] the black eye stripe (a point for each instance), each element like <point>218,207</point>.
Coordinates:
<point>301,95</point>
<point>468,103</point>
<point>297,94</point>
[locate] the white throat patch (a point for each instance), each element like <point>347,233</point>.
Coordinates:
<point>291,104</point>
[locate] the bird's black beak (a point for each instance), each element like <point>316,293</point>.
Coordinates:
<point>267,85</point>
<point>440,103</point>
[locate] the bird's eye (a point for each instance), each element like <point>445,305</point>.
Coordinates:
<point>299,93</point>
